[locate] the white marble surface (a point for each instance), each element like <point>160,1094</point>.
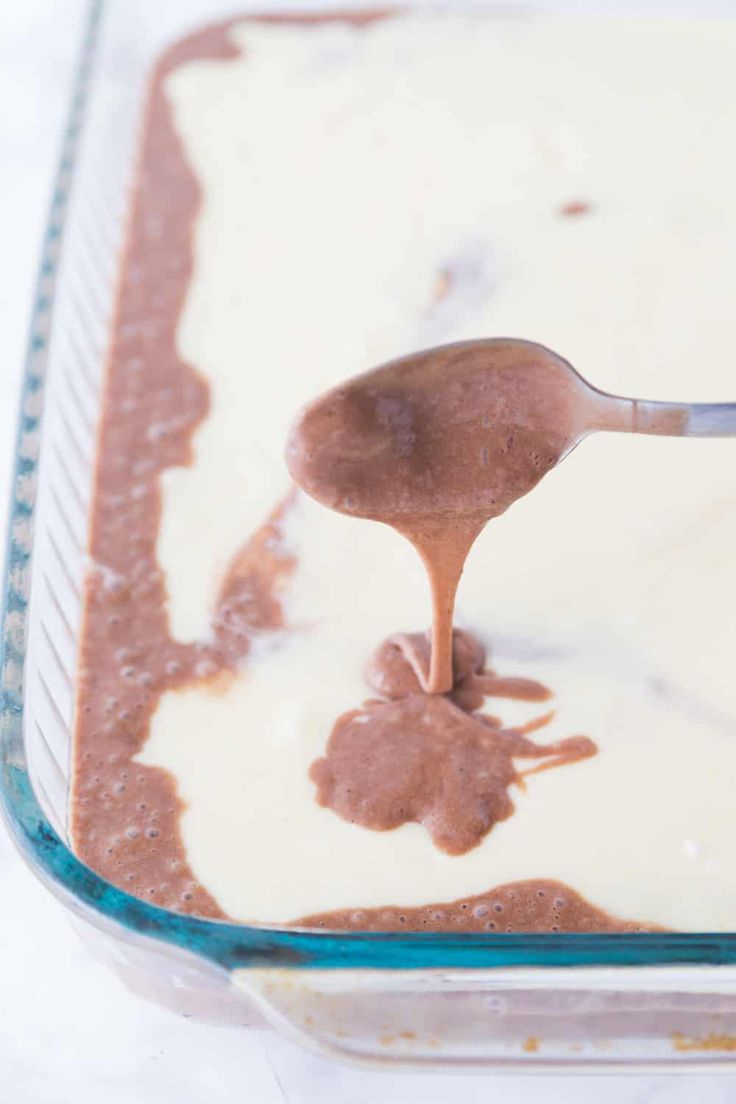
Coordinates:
<point>68,1030</point>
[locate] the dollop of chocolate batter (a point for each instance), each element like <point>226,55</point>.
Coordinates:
<point>433,759</point>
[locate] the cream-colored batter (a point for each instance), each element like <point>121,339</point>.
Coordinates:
<point>347,176</point>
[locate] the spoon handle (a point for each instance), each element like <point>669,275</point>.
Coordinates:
<point>684,419</point>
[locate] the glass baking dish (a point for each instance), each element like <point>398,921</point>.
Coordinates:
<point>504,1001</point>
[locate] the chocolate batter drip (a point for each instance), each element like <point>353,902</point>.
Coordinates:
<point>438,443</point>
<point>429,758</point>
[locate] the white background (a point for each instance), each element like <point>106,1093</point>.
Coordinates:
<point>68,1029</point>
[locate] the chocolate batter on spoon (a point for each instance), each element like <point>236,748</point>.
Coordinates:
<point>439,442</point>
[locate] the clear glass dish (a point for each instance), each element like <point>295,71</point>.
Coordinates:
<point>553,1001</point>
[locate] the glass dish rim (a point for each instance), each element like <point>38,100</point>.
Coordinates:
<point>227,944</point>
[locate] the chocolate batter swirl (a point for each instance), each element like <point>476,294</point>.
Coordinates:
<point>433,759</point>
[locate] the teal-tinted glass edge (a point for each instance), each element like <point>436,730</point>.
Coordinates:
<point>229,945</point>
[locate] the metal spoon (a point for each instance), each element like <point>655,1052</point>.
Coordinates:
<point>438,442</point>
